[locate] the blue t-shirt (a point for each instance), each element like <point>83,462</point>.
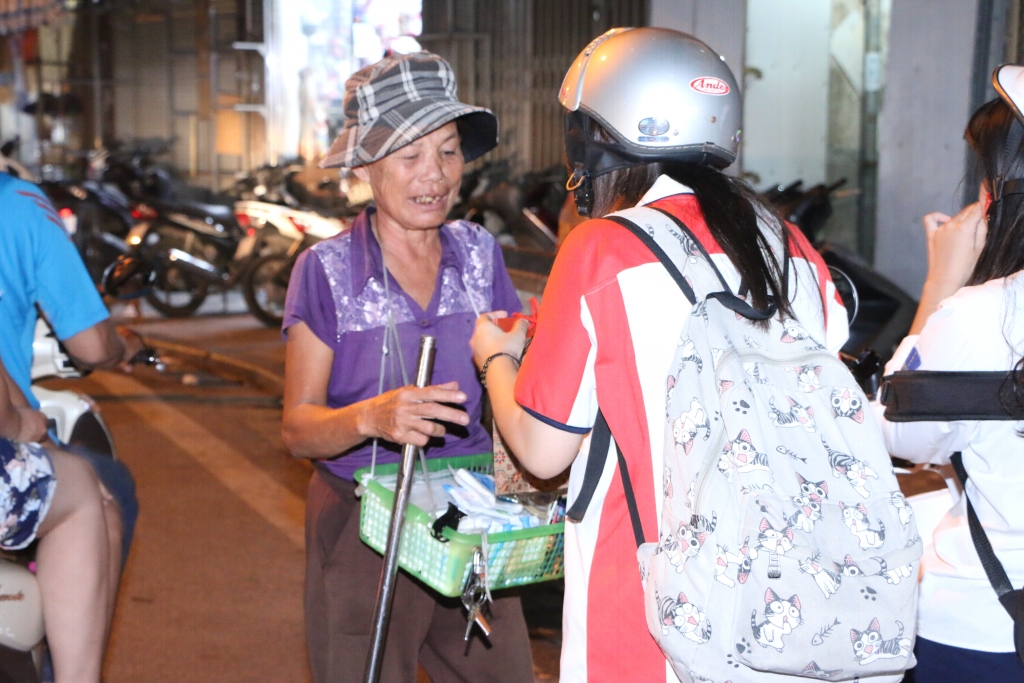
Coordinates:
<point>38,265</point>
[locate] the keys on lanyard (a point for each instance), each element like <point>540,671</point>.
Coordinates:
<point>475,596</point>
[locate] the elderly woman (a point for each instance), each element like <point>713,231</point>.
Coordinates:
<point>400,271</point>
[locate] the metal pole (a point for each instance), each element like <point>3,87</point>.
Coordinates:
<point>385,594</point>
<point>870,105</point>
<point>97,79</point>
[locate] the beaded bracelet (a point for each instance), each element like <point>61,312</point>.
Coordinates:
<point>487,364</point>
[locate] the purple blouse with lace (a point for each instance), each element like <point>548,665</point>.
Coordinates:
<point>337,289</point>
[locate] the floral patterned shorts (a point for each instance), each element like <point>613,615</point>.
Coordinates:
<point>26,489</point>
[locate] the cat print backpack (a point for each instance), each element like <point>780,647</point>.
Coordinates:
<point>786,548</point>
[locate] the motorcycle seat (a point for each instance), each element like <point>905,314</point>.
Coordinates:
<point>217,212</point>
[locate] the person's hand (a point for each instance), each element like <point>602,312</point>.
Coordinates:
<point>489,339</point>
<point>411,415</point>
<point>133,344</point>
<point>954,245</point>
<point>33,425</point>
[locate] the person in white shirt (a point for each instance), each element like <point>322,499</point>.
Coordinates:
<point>971,318</point>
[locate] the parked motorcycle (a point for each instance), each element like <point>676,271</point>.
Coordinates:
<point>193,247</point>
<point>881,312</point>
<point>265,282</point>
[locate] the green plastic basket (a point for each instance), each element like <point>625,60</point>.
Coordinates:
<point>514,558</point>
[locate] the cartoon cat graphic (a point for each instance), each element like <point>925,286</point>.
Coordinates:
<point>753,371</point>
<point>855,471</point>
<point>724,558</point>
<point>895,575</point>
<point>828,581</point>
<point>701,309</point>
<point>687,425</point>
<point>808,511</point>
<point>812,489</point>
<point>685,617</point>
<point>903,509</point>
<point>752,343</point>
<point>739,455</point>
<point>856,520</point>
<point>806,377</point>
<point>690,540</point>
<point>775,542</point>
<point>816,671</point>
<point>794,331</point>
<point>868,645</point>
<point>781,617</point>
<point>846,403</point>
<point>808,504</point>
<point>689,247</point>
<point>688,354</point>
<point>796,416</point>
<point>849,568</point>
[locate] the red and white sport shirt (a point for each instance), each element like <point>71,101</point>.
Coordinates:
<point>606,335</point>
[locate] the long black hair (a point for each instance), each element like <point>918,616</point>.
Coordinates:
<point>987,133</point>
<point>995,161</point>
<point>731,211</point>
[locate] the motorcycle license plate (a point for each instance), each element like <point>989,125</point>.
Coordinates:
<point>245,247</point>
<point>136,234</point>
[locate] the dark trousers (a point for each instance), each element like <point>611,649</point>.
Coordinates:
<point>938,663</point>
<point>342,579</point>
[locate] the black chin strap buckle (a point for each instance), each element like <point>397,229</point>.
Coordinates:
<point>582,187</point>
<point>1004,187</point>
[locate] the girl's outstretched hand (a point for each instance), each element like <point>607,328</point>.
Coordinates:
<point>489,339</point>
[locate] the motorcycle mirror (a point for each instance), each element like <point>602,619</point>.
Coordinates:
<point>847,291</point>
<point>129,277</point>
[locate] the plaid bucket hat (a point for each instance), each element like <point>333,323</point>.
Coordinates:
<point>400,99</point>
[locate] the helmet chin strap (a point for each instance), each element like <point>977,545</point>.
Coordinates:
<point>1002,186</point>
<point>582,187</point>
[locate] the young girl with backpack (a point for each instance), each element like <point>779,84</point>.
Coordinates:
<point>970,320</point>
<point>621,350</point>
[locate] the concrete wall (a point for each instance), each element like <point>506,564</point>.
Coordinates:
<point>719,23</point>
<point>921,147</point>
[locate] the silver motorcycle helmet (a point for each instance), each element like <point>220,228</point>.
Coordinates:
<point>661,94</point>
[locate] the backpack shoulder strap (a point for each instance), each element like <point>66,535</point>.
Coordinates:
<point>600,440</point>
<point>1012,600</point>
<point>926,395</point>
<point>724,297</point>
<point>600,437</point>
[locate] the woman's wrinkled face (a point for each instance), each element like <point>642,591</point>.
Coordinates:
<point>416,186</point>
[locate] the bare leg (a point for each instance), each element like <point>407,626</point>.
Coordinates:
<point>74,567</point>
<point>112,519</point>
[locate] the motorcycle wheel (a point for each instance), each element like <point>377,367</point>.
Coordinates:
<point>176,293</point>
<point>265,285</point>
